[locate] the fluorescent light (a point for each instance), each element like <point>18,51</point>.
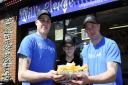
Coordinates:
<point>116,27</point>
<point>74,28</point>
<point>77,33</point>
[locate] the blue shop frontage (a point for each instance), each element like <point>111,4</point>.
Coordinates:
<point>68,16</point>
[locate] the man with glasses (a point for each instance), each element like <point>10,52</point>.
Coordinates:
<point>37,54</point>
<point>102,56</point>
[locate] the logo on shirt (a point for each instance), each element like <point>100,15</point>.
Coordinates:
<point>46,47</point>
<point>96,55</point>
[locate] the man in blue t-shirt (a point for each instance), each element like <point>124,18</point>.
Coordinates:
<point>102,56</point>
<point>37,55</point>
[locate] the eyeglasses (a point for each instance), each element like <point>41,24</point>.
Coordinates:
<point>68,47</point>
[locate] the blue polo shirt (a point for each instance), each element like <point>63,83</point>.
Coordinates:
<point>96,57</point>
<point>42,54</point>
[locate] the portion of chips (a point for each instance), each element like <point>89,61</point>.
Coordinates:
<point>71,68</point>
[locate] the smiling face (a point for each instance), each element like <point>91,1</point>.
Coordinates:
<point>93,30</point>
<point>43,25</point>
<point>69,49</point>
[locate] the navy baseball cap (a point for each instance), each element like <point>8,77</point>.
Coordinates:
<point>43,12</point>
<point>90,19</point>
<point>69,39</point>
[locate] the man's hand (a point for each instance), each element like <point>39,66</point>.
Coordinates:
<point>57,77</point>
<point>80,79</point>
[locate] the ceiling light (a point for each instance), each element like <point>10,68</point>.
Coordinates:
<point>116,27</point>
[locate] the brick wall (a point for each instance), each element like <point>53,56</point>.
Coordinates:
<point>8,30</point>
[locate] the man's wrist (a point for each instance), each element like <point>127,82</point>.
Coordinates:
<point>47,76</point>
<point>50,75</point>
<point>90,78</point>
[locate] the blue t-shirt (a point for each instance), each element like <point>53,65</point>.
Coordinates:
<point>96,57</point>
<point>42,54</point>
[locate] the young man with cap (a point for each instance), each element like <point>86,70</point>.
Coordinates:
<point>37,54</point>
<point>102,56</point>
<point>70,54</point>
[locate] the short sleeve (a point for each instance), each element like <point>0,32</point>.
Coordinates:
<point>26,47</point>
<point>84,54</point>
<point>113,53</point>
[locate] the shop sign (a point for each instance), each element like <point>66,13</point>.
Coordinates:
<point>57,7</point>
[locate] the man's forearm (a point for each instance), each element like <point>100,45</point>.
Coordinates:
<point>105,77</point>
<point>32,76</point>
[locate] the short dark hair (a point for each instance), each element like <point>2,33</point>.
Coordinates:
<point>90,19</point>
<point>43,12</point>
